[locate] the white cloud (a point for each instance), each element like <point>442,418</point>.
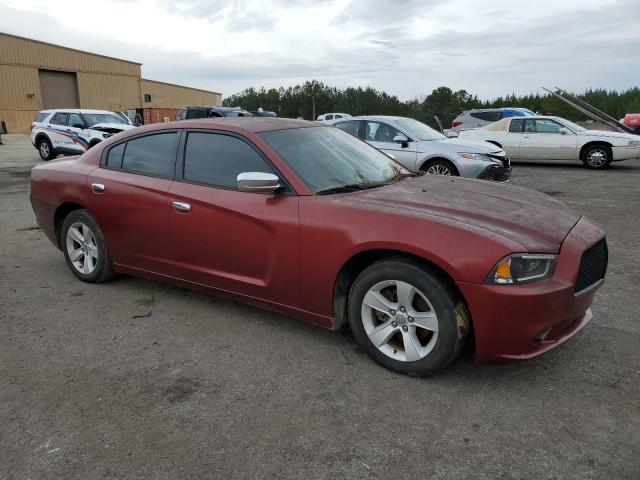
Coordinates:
<point>405,47</point>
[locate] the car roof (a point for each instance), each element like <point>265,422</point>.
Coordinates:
<point>389,118</point>
<point>495,109</point>
<point>74,110</point>
<point>249,124</point>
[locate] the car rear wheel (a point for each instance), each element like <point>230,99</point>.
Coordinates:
<point>597,157</point>
<point>440,167</point>
<point>45,149</point>
<point>408,318</point>
<point>85,249</point>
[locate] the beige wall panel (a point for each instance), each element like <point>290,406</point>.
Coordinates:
<point>23,52</point>
<point>19,88</point>
<point>18,121</point>
<point>166,95</point>
<point>108,92</point>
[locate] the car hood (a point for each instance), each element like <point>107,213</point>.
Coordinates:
<point>120,127</point>
<point>608,134</point>
<point>471,146</point>
<point>536,221</point>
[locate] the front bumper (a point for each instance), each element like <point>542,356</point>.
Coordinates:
<point>626,153</point>
<point>517,322</point>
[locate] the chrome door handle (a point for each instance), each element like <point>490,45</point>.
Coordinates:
<point>98,187</point>
<point>181,206</point>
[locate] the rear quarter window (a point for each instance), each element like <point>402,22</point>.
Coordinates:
<point>41,116</point>
<point>516,125</point>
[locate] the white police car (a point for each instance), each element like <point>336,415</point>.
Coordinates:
<point>74,131</point>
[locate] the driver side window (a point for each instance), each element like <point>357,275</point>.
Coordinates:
<point>75,121</point>
<point>380,132</point>
<point>544,125</point>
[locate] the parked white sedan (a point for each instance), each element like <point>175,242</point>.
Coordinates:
<point>555,138</point>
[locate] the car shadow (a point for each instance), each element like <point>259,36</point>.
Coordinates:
<point>618,166</point>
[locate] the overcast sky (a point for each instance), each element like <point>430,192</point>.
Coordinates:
<point>405,47</point>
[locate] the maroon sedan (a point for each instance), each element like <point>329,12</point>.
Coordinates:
<point>309,221</point>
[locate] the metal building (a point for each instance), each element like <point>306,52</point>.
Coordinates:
<point>36,75</point>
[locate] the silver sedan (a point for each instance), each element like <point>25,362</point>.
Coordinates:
<point>419,147</point>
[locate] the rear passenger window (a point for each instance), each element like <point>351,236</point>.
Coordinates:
<point>151,155</point>
<point>196,114</point>
<point>60,119</point>
<point>492,116</point>
<point>216,159</point>
<point>516,125</point>
<point>114,156</point>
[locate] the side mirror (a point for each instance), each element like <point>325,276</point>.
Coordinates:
<point>258,182</point>
<point>563,131</point>
<point>400,139</point>
<point>452,134</point>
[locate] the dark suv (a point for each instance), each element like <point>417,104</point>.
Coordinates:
<point>188,113</point>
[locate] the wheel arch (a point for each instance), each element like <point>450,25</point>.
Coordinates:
<point>361,260</point>
<point>62,212</point>
<point>593,143</point>
<point>497,144</point>
<point>40,136</point>
<point>427,162</point>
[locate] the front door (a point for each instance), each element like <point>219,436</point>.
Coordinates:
<point>242,242</point>
<point>546,139</point>
<point>381,135</point>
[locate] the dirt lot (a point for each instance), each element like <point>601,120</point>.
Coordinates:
<point>134,379</point>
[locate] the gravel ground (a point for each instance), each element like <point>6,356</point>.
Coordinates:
<point>135,379</point>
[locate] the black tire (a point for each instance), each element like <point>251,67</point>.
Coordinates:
<point>452,315</point>
<point>439,167</point>
<point>45,149</point>
<point>597,156</point>
<point>102,267</point>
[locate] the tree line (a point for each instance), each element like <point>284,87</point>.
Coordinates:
<point>443,102</point>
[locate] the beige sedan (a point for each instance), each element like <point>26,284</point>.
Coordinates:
<point>555,138</point>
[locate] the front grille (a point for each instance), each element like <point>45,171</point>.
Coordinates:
<point>593,266</point>
<point>496,173</point>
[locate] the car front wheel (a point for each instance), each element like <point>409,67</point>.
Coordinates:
<point>597,157</point>
<point>408,318</point>
<point>85,249</point>
<point>440,167</point>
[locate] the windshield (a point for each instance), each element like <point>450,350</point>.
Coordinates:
<point>573,126</point>
<point>96,118</point>
<point>326,158</point>
<point>418,130</point>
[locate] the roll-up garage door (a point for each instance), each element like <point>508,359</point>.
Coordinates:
<point>59,89</point>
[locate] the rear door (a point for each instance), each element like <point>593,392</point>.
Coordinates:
<point>381,135</point>
<point>128,196</point>
<point>542,139</point>
<point>62,136</point>
<point>242,242</point>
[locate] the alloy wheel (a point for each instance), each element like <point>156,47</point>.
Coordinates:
<point>82,248</point>
<point>44,149</point>
<point>399,320</point>
<point>438,170</point>
<point>597,157</point>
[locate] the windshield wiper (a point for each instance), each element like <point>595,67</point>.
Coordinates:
<point>351,187</point>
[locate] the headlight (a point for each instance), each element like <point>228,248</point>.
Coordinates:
<point>633,143</point>
<point>471,156</point>
<point>522,268</point>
